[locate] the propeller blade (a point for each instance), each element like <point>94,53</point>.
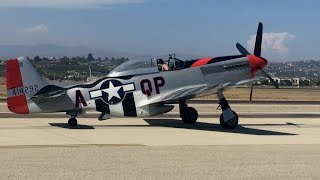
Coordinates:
<point>251,91</point>
<point>257,47</point>
<point>270,78</point>
<point>242,50</point>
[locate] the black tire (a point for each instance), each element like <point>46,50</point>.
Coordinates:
<point>193,113</point>
<point>189,116</point>
<point>72,122</point>
<point>231,124</point>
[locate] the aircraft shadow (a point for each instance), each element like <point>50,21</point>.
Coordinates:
<point>286,124</point>
<point>201,126</point>
<point>174,123</point>
<point>66,126</point>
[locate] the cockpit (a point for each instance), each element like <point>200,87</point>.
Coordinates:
<point>171,64</point>
<point>147,65</point>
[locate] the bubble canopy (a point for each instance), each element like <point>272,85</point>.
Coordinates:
<point>144,65</point>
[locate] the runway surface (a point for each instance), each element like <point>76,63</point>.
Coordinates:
<point>159,148</point>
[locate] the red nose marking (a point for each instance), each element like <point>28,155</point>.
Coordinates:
<point>256,63</point>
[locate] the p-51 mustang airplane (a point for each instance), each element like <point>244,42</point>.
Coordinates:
<point>137,88</point>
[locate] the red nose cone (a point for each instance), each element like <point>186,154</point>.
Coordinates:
<point>256,63</point>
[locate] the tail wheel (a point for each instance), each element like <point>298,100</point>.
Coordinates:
<point>72,122</point>
<point>189,115</point>
<point>230,124</point>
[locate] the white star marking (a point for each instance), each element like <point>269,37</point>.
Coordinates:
<point>112,91</point>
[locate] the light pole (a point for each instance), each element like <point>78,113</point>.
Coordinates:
<point>90,75</point>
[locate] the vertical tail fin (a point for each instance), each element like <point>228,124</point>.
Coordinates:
<point>23,81</point>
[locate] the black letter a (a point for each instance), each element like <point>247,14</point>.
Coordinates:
<point>80,99</point>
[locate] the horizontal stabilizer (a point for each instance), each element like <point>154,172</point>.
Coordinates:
<point>49,92</point>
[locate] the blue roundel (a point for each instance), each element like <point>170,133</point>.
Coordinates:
<point>112,92</point>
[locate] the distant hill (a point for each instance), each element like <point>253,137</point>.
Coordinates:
<point>50,50</point>
<point>307,68</point>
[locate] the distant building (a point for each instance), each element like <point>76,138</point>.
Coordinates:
<point>284,81</point>
<point>2,79</point>
<point>296,81</point>
<point>93,78</point>
<point>277,80</point>
<point>305,82</point>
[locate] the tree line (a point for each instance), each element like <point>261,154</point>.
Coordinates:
<point>73,68</point>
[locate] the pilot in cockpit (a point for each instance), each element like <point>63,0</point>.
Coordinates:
<point>162,65</point>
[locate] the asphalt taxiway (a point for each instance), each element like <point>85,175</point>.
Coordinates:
<point>159,148</point>
<point>266,145</point>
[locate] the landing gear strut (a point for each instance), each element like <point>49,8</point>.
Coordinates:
<point>228,119</point>
<point>189,115</point>
<point>73,121</point>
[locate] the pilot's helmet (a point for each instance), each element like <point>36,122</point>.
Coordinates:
<point>160,61</point>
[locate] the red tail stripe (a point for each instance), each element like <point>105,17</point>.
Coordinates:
<point>18,104</point>
<point>201,62</point>
<point>13,74</point>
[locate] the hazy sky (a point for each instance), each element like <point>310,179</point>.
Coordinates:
<point>198,27</point>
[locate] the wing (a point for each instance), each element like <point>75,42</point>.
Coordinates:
<point>186,92</point>
<point>189,92</point>
<point>250,81</point>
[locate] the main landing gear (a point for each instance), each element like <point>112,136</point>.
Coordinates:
<point>73,121</point>
<point>228,119</point>
<point>189,115</point>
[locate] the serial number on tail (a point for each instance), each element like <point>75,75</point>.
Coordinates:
<point>25,90</point>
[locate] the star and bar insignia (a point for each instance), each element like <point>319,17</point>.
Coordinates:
<point>112,91</point>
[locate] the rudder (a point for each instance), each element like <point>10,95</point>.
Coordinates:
<point>23,81</point>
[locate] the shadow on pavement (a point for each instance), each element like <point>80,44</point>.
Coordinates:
<point>202,126</point>
<point>173,123</point>
<point>269,124</point>
<point>66,126</point>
